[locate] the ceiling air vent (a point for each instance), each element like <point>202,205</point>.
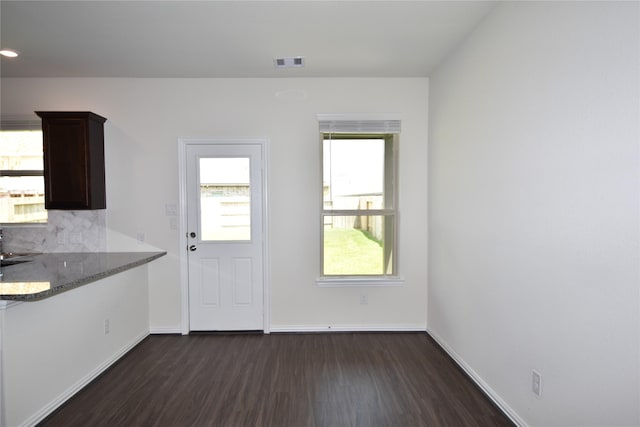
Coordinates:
<point>290,62</point>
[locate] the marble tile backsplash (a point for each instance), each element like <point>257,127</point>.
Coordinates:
<point>66,231</point>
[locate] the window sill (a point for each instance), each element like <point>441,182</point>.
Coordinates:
<point>6,225</point>
<point>330,282</point>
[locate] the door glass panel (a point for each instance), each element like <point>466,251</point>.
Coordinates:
<point>225,199</point>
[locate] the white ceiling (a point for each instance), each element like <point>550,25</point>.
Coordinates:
<point>232,38</point>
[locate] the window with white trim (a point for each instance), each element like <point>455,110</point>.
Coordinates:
<point>21,173</point>
<point>359,193</point>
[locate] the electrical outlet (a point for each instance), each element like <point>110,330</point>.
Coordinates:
<point>107,326</point>
<point>536,383</point>
<point>140,237</point>
<point>364,299</point>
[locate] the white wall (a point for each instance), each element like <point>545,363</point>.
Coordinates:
<point>147,116</point>
<point>53,347</point>
<point>534,211</point>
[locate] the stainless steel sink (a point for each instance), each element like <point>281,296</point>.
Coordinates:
<point>8,262</point>
<point>13,258</point>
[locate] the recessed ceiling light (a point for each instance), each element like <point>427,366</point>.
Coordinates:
<point>9,53</point>
<point>289,62</point>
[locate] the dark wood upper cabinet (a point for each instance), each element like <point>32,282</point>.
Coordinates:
<point>73,160</point>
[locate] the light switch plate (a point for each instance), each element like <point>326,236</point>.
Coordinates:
<point>171,209</point>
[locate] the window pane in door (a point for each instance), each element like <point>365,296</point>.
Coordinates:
<point>225,199</point>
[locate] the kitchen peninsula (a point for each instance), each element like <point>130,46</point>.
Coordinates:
<point>64,319</point>
<point>41,276</point>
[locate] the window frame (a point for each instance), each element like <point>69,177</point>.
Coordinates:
<point>389,210</point>
<point>23,125</point>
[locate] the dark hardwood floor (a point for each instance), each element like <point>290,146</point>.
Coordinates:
<point>329,380</point>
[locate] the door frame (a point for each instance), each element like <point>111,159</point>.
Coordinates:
<point>183,143</point>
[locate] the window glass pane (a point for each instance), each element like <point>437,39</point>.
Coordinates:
<point>357,245</point>
<point>21,197</point>
<point>353,174</point>
<point>225,199</point>
<point>21,150</point>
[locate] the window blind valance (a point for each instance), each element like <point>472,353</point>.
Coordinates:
<point>348,124</point>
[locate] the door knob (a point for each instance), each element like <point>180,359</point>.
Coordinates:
<point>192,248</point>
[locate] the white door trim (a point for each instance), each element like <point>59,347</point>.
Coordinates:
<point>183,143</point>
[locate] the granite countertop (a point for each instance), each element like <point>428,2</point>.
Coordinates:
<point>49,274</point>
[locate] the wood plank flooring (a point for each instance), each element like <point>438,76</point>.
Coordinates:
<point>281,380</point>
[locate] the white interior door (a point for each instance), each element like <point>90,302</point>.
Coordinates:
<point>225,236</point>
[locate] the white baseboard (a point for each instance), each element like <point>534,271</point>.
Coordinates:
<point>166,330</point>
<point>488,391</point>
<point>67,394</point>
<point>347,328</point>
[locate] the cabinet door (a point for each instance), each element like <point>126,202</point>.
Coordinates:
<point>73,160</point>
<point>66,164</point>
